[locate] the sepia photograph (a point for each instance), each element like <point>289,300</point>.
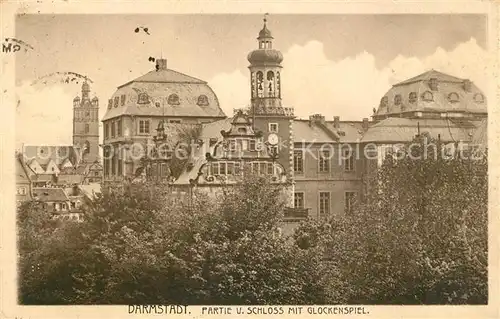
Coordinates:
<point>253,161</point>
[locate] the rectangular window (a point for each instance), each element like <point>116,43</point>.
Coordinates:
<point>215,168</point>
<point>21,191</point>
<point>123,99</point>
<point>324,161</point>
<point>273,127</point>
<point>349,201</point>
<point>298,200</point>
<point>262,168</point>
<point>120,167</point>
<point>251,145</point>
<point>143,127</point>
<point>222,168</point>
<point>230,168</point>
<point>324,204</point>
<point>298,161</point>
<point>87,128</point>
<point>232,145</point>
<point>348,158</point>
<point>119,129</point>
<point>106,130</point>
<point>237,168</point>
<point>117,100</point>
<point>270,169</point>
<point>113,129</point>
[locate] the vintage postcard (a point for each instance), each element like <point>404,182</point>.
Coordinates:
<point>256,159</point>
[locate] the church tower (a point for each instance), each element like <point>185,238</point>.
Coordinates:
<point>266,111</point>
<point>86,125</point>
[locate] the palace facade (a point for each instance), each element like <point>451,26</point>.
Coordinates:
<point>320,162</point>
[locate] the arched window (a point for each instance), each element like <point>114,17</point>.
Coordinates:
<point>117,100</point>
<point>479,98</point>
<point>412,97</point>
<point>157,104</point>
<point>260,88</point>
<point>123,99</point>
<point>397,99</point>
<point>427,96</point>
<point>270,85</point>
<point>242,130</point>
<point>87,128</point>
<point>253,84</point>
<point>453,97</point>
<point>384,101</point>
<point>143,98</point>
<point>278,85</point>
<point>110,103</point>
<point>173,99</point>
<point>202,100</point>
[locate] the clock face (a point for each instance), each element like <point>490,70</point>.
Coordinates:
<point>272,139</point>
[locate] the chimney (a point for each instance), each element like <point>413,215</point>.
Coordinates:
<point>467,85</point>
<point>336,122</point>
<point>316,118</point>
<point>161,64</point>
<point>433,84</point>
<point>365,124</point>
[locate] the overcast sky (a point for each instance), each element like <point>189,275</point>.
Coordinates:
<point>333,64</point>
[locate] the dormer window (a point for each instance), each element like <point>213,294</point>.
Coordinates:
<point>242,130</point>
<point>397,99</point>
<point>478,98</point>
<point>202,100</point>
<point>427,96</point>
<point>384,101</point>
<point>123,99</point>
<point>453,97</point>
<point>273,127</point>
<point>412,97</point>
<point>143,98</point>
<point>173,99</point>
<point>110,103</point>
<point>157,104</point>
<point>117,100</point>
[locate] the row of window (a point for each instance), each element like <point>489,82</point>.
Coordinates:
<point>428,97</point>
<point>324,202</point>
<point>324,161</point>
<point>143,98</point>
<point>113,167</point>
<point>235,168</point>
<point>114,128</point>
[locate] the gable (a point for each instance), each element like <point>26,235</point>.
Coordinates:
<point>52,168</point>
<point>35,167</point>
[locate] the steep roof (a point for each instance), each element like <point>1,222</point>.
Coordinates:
<point>303,130</point>
<point>45,194</point>
<point>165,76</point>
<point>416,94</point>
<point>23,173</point>
<point>399,130</point>
<point>43,154</point>
<point>443,77</point>
<point>194,98</point>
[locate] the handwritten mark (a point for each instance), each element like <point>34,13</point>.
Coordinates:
<point>62,77</point>
<point>15,45</point>
<point>145,29</point>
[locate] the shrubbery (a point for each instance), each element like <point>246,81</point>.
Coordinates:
<point>420,239</point>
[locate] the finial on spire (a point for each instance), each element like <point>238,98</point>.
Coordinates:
<point>265,17</point>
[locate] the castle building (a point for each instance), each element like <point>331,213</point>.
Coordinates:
<point>325,161</point>
<point>161,97</point>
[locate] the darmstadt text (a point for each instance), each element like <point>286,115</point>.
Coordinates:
<point>158,309</point>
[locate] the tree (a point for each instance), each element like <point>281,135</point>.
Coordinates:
<point>140,244</point>
<point>422,236</point>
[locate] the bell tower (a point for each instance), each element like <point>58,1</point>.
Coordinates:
<point>86,125</point>
<point>267,112</point>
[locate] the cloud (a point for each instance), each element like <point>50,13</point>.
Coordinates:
<point>351,87</point>
<point>43,115</point>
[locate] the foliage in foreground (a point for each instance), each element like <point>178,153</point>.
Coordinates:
<point>136,246</point>
<point>421,238</point>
